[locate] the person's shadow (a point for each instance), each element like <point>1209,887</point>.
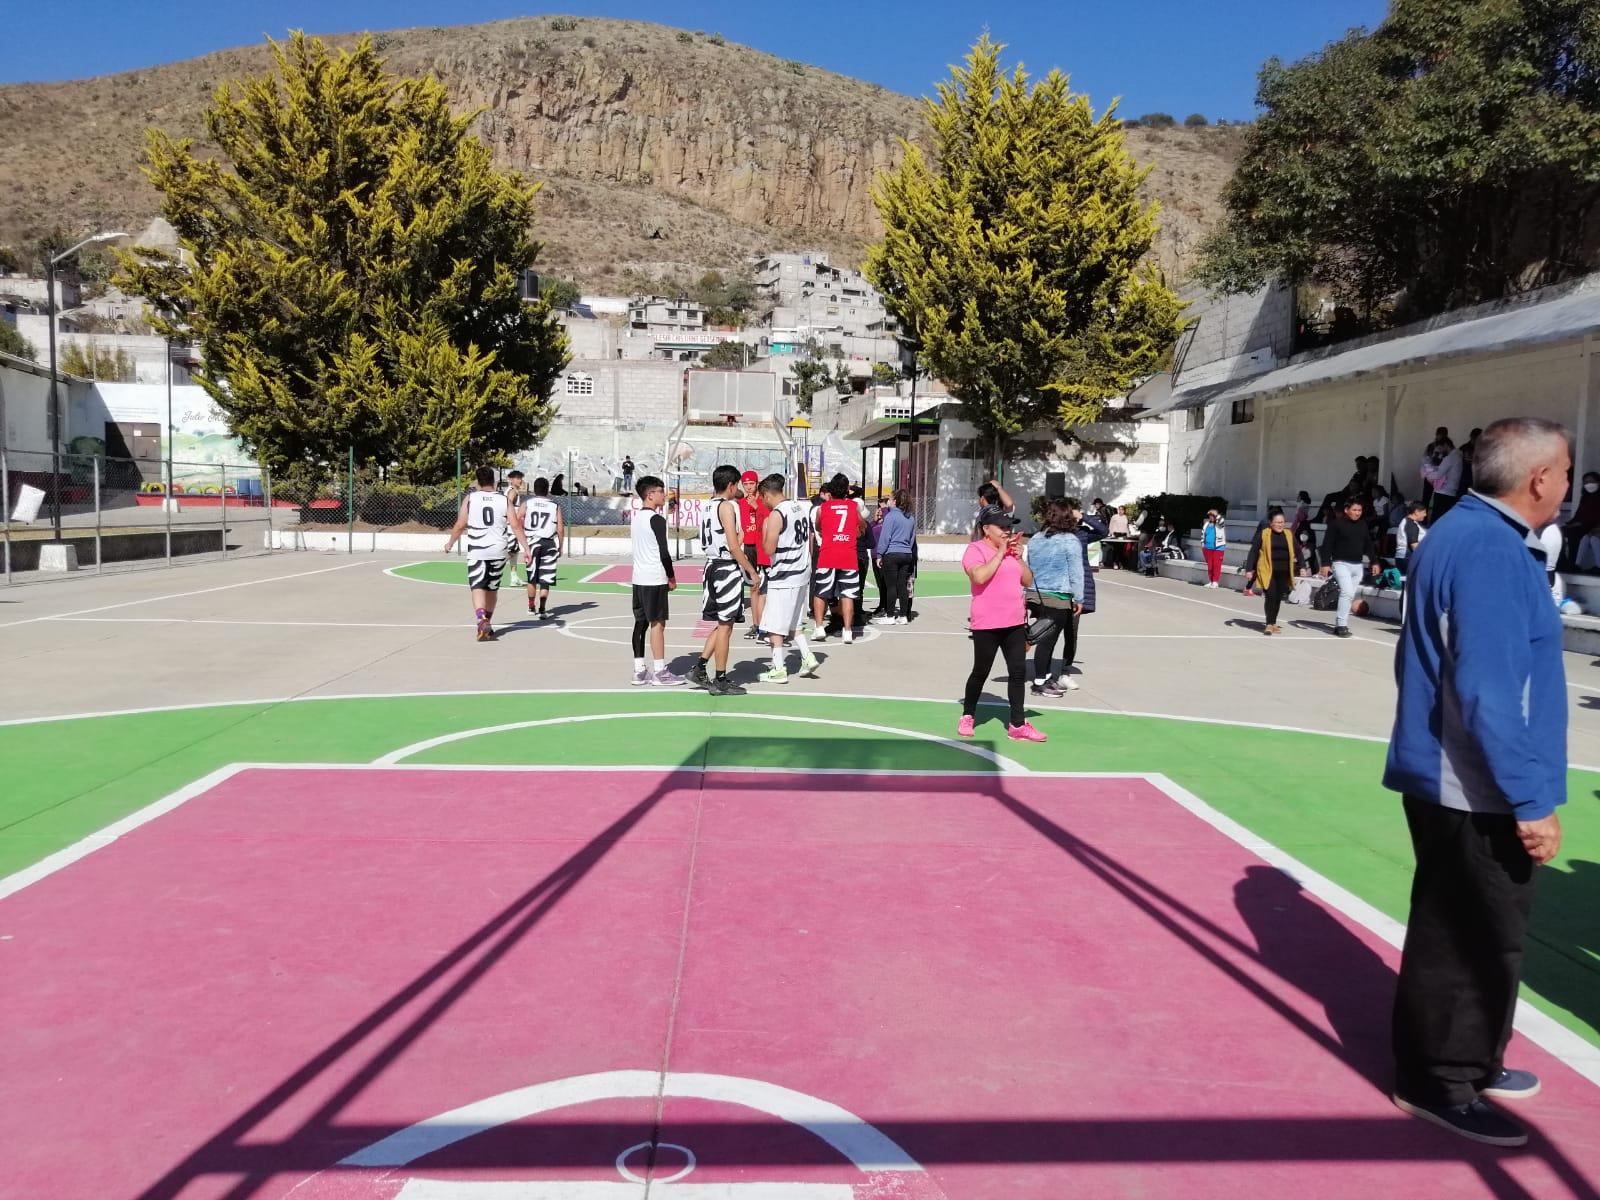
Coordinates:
<point>1563,947</point>
<point>1310,949</point>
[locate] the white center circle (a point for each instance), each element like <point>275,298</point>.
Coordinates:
<point>689,1161</point>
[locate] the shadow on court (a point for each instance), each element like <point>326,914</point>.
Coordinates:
<point>1296,942</point>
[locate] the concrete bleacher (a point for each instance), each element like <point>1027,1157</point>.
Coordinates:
<point>1582,633</point>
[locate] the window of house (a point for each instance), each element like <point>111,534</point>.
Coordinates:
<point>579,384</point>
<point>1244,411</point>
<point>1197,418</point>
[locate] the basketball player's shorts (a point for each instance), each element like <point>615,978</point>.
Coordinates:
<point>546,554</point>
<point>784,610</point>
<point>832,583</point>
<point>724,592</point>
<point>483,574</point>
<point>650,602</point>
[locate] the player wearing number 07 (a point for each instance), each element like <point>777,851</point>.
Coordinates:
<point>840,520</point>
<point>483,521</point>
<point>540,518</point>
<point>786,534</point>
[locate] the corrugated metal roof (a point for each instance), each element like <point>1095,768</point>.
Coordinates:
<point>1551,315</point>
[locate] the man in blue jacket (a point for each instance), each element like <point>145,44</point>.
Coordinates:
<point>1479,753</point>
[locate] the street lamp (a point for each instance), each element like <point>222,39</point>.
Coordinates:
<point>55,404</point>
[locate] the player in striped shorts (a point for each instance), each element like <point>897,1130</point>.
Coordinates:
<point>483,522</point>
<point>727,570</point>
<point>839,521</point>
<point>541,520</point>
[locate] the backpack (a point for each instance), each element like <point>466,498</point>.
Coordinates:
<point>1326,597</point>
<point>1391,580</point>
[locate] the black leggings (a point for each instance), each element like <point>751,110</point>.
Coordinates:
<point>1013,643</point>
<point>897,589</point>
<point>1063,625</point>
<point>1274,595</point>
<point>640,626</point>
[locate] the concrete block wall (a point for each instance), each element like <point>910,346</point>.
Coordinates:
<point>629,393</point>
<point>1232,326</point>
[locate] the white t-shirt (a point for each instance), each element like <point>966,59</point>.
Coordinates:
<point>486,526</point>
<point>647,568</point>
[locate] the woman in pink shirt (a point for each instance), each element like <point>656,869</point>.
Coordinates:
<point>999,619</point>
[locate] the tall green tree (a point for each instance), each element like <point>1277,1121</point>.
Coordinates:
<point>1450,156</point>
<point>1016,257</point>
<point>350,271</point>
<point>12,342</point>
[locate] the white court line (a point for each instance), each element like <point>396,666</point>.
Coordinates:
<point>1007,766</point>
<point>947,701</point>
<point>181,595</point>
<point>1537,1026</point>
<point>226,621</point>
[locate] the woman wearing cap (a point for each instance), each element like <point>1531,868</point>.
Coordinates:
<point>999,620</point>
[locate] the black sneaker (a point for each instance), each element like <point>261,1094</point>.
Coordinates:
<point>723,686</point>
<point>697,674</point>
<point>1344,631</point>
<point>754,634</point>
<point>1512,1085</point>
<point>1478,1121</point>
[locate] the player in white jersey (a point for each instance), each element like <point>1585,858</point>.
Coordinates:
<point>786,536</point>
<point>541,520</point>
<point>653,579</point>
<point>483,520</point>
<point>516,492</point>
<point>727,569</point>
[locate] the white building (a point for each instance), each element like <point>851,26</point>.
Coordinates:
<point>1254,424</point>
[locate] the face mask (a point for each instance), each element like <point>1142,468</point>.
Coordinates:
<point>1591,487</point>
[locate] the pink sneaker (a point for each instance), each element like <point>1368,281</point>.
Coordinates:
<point>965,727</point>
<point>1025,733</point>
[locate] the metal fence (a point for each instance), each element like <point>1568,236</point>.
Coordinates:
<point>95,512</point>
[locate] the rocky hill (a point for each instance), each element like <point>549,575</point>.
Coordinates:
<point>661,150</point>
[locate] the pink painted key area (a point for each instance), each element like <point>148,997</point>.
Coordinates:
<point>960,987</point>
<point>622,573</point>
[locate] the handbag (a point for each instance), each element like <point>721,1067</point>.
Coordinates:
<point>1302,591</point>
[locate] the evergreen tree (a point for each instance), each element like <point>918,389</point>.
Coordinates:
<point>1015,259</point>
<point>351,271</point>
<point>1450,156</point>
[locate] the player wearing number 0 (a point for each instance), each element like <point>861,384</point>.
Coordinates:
<point>483,520</point>
<point>839,522</point>
<point>540,518</point>
<point>727,570</point>
<point>653,579</point>
<point>786,533</point>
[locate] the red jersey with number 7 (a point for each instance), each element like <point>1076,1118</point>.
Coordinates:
<point>837,523</point>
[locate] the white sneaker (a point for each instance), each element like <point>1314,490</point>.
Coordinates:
<point>902,620</point>
<point>849,636</point>
<point>1067,683</point>
<point>884,620</point>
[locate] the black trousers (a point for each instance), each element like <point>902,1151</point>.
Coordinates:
<point>1462,962</point>
<point>1013,644</point>
<point>1274,595</point>
<point>1064,626</point>
<point>896,585</point>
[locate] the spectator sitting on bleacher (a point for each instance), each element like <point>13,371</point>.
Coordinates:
<point>1585,519</point>
<point>1302,513</point>
<point>1164,543</point>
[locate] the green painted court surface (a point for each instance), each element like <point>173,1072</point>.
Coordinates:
<point>932,581</point>
<point>1312,795</point>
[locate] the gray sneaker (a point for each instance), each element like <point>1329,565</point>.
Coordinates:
<point>641,677</point>
<point>665,678</point>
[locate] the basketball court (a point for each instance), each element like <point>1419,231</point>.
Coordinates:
<point>377,912</point>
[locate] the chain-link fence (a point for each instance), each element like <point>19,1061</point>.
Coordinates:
<point>95,512</point>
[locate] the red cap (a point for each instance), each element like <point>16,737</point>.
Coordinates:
<point>749,477</point>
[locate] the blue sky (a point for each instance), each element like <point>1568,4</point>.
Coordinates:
<point>1176,56</point>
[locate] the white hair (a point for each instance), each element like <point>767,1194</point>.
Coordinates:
<point>1510,450</point>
